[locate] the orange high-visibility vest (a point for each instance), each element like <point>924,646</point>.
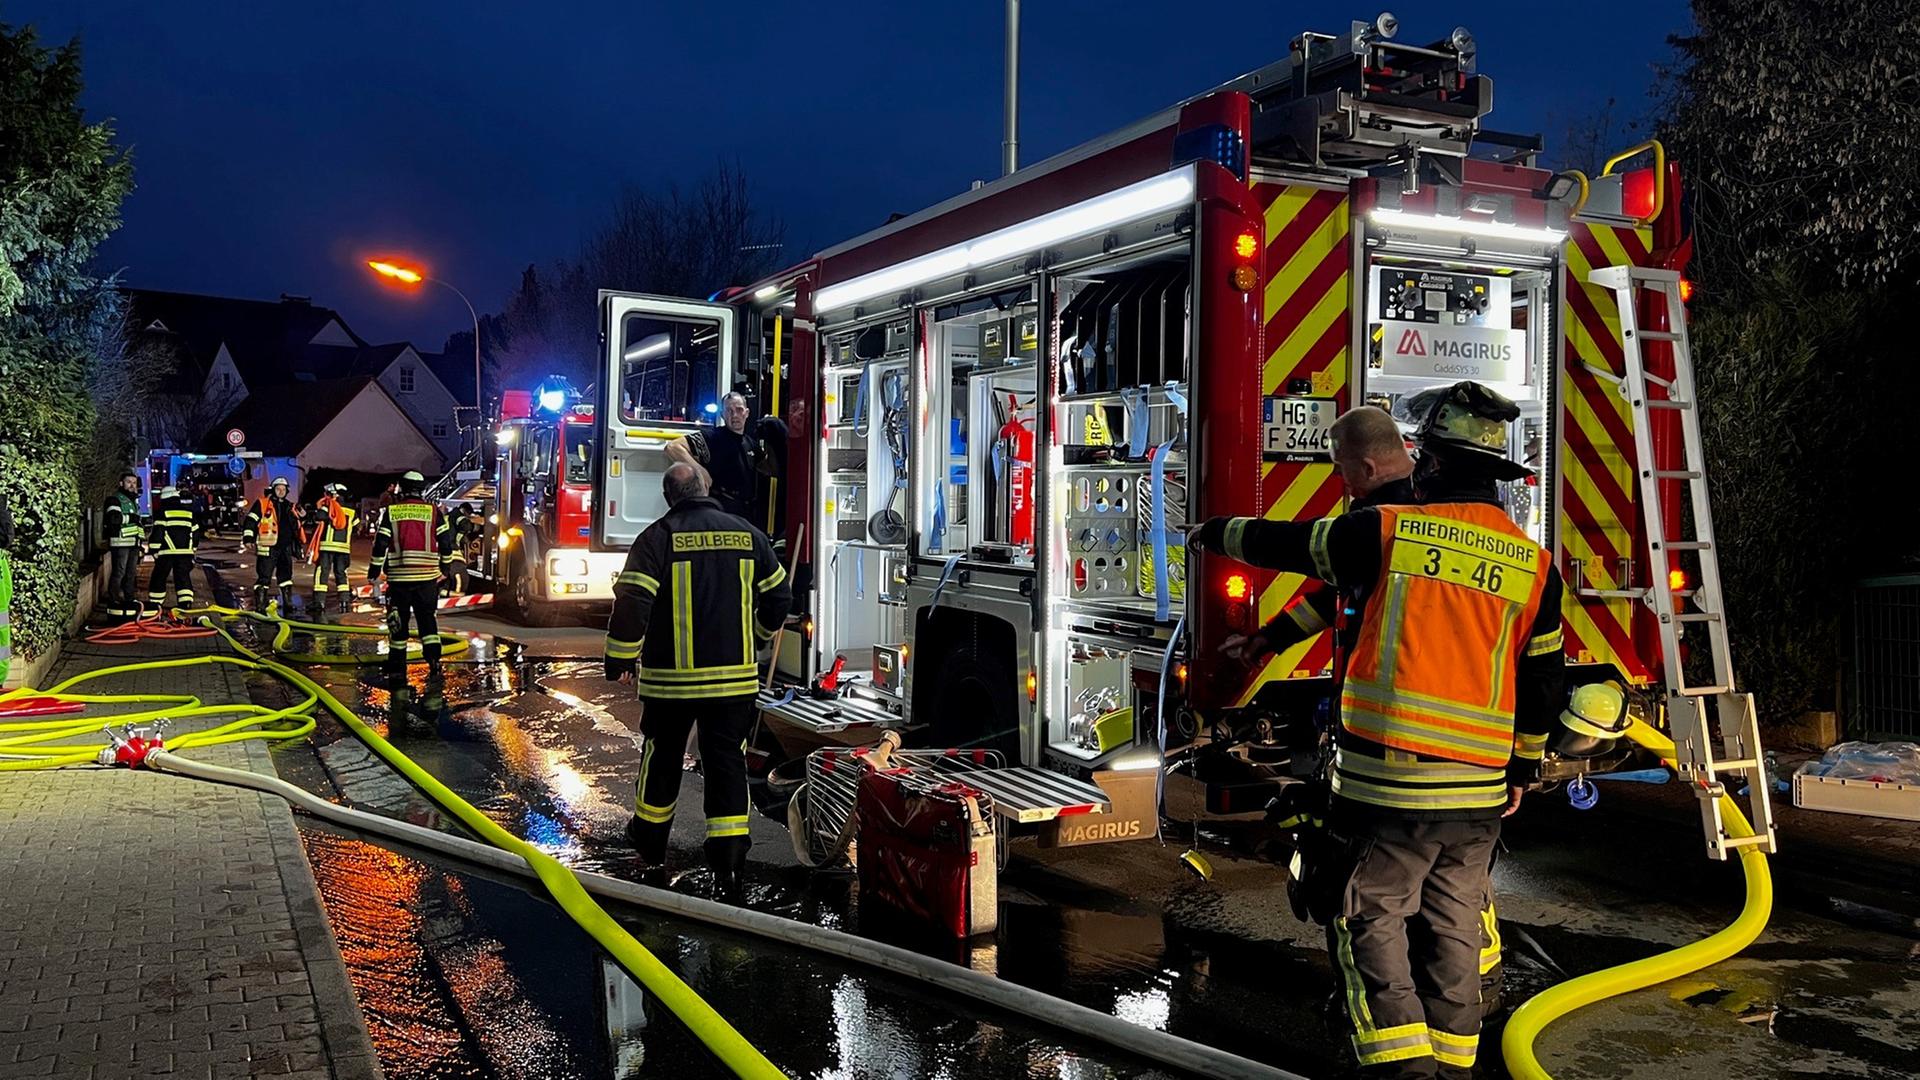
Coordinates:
<point>1443,632</point>
<point>269,534</point>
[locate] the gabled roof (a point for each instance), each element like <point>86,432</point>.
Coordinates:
<point>270,340</point>
<point>280,421</point>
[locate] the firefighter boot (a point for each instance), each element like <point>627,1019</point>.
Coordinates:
<point>260,598</point>
<point>346,601</point>
<point>729,873</point>
<point>286,601</point>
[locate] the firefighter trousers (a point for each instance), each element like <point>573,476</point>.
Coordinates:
<point>273,568</point>
<point>330,565</point>
<point>722,725</point>
<point>123,579</point>
<point>179,567</point>
<point>416,601</point>
<point>1408,941</point>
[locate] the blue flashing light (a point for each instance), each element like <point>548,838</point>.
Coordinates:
<point>1212,142</point>
<point>712,408</point>
<point>553,399</point>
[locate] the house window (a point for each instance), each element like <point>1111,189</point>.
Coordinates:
<point>226,380</point>
<point>439,429</point>
<point>406,379</point>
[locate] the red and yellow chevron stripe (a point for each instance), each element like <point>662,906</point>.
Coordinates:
<point>1598,519</point>
<point>1308,302</point>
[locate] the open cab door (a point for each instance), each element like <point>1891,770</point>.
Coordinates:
<point>665,364</point>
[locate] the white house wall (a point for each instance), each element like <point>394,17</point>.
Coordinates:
<point>371,435</point>
<point>430,402</point>
<point>224,388</point>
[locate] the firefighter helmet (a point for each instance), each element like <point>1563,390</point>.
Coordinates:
<point>1595,718</point>
<point>1465,422</point>
<point>169,492</point>
<point>280,481</point>
<point>411,482</point>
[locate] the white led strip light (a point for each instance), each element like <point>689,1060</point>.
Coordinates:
<point>1468,227</point>
<point>1094,215</point>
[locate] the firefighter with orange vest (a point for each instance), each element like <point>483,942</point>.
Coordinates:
<point>412,545</point>
<point>273,529</point>
<point>330,547</point>
<point>1453,683</point>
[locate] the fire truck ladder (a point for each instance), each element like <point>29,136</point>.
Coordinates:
<point>1693,710</point>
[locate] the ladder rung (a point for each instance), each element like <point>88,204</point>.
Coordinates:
<point>1701,691</point>
<point>1675,474</point>
<point>1658,335</point>
<point>1612,594</point>
<point>1698,616</point>
<point>1735,765</point>
<point>1730,842</point>
<point>1669,403</point>
<point>1684,545</point>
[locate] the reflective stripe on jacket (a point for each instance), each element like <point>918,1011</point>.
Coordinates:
<point>122,520</point>
<point>411,543</point>
<point>334,530</point>
<point>176,527</point>
<point>701,591</point>
<point>1432,672</point>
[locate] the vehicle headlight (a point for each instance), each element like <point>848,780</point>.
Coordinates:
<point>567,568</point>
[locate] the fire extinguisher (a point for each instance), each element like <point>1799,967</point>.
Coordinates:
<point>1017,436</point>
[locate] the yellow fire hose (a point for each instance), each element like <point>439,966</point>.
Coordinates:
<point>32,742</point>
<point>1516,1044</point>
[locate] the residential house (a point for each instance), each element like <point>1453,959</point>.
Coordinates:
<point>350,431</point>
<point>222,350</point>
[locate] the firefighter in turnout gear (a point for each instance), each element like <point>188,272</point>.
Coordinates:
<point>330,547</point>
<point>701,593</point>
<point>1452,685</point>
<point>273,528</point>
<point>411,546</point>
<point>172,538</point>
<point>1371,456</point>
<point>124,531</point>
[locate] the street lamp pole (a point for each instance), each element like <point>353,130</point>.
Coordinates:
<point>410,276</point>
<point>479,399</point>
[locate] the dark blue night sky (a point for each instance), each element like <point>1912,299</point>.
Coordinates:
<point>277,143</point>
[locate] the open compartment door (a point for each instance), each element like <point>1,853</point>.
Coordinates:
<point>665,364</point>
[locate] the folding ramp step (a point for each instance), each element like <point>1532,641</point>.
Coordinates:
<point>1027,795</point>
<point>827,714</point>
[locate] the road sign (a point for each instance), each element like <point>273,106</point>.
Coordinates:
<point>236,437</point>
<point>236,466</point>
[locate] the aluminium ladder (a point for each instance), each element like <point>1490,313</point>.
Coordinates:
<point>1694,710</point>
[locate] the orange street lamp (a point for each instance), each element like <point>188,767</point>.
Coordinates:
<point>387,269</point>
<point>410,276</point>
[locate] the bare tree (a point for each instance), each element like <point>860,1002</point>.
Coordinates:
<point>673,242</point>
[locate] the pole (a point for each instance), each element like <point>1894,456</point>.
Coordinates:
<point>1010,146</point>
<point>479,399</point>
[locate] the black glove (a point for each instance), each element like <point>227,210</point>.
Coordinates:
<point>1210,535</point>
<point>617,669</point>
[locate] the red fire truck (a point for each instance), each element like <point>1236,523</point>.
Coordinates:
<point>534,551</point>
<point>1003,408</point>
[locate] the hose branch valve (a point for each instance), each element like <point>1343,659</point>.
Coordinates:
<point>132,747</point>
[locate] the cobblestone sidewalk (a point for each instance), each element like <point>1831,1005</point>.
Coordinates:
<point>157,925</point>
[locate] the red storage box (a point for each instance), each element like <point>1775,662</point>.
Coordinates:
<point>927,850</point>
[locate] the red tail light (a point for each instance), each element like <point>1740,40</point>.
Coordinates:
<point>1636,193</point>
<point>1246,245</point>
<point>1236,586</point>
<point>1676,580</point>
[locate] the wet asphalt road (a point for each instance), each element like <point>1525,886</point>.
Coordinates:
<point>464,976</point>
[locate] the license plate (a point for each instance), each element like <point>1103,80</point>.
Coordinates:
<point>1298,428</point>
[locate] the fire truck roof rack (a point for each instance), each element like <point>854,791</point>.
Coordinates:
<point>1361,100</point>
